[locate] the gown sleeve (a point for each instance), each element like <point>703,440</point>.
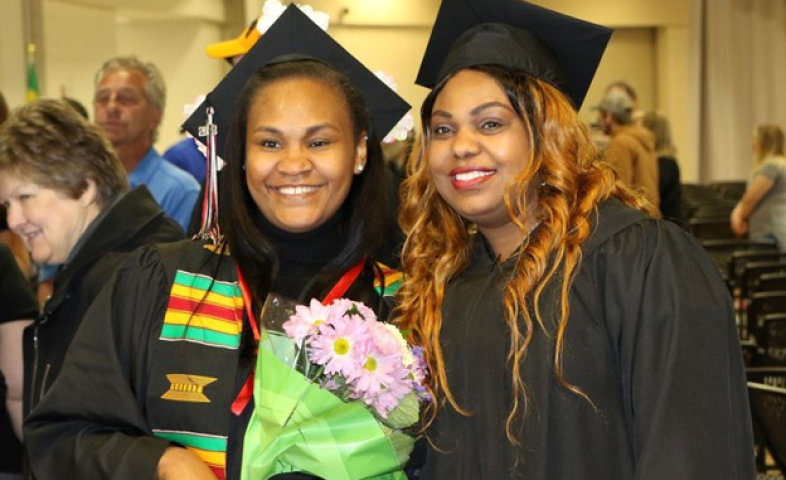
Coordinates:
<point>683,380</point>
<point>91,424</point>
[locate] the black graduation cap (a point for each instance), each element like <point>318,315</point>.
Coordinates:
<point>294,36</point>
<point>553,47</point>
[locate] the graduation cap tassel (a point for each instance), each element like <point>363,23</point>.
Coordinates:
<point>210,229</point>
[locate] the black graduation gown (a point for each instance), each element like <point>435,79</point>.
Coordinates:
<point>107,415</point>
<point>652,343</point>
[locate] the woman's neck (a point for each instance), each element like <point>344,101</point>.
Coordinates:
<point>303,256</point>
<point>504,240</point>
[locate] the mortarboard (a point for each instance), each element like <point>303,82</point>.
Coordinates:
<point>561,50</point>
<point>294,36</point>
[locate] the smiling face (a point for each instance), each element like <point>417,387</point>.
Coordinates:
<point>478,144</point>
<point>301,152</point>
<point>50,222</point>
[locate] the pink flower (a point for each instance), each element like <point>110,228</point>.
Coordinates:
<point>378,371</point>
<point>339,345</point>
<point>306,320</point>
<point>360,358</point>
<point>389,341</point>
<point>344,306</point>
<point>390,396</point>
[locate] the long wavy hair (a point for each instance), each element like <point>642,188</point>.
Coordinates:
<point>364,210</point>
<point>571,185</point>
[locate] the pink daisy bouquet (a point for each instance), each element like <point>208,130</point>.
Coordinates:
<point>336,395</point>
<point>357,357</point>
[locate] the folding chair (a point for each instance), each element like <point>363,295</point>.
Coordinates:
<point>770,282</point>
<point>759,305</point>
<point>720,250</point>
<point>773,377</point>
<point>710,228</point>
<point>768,409</point>
<point>773,340</point>
<point>714,209</point>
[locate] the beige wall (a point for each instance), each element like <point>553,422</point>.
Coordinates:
<point>177,48</point>
<point>673,80</point>
<point>73,55</point>
<point>628,13</point>
<point>12,60</point>
<point>406,45</point>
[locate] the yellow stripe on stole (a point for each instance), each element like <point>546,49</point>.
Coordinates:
<point>218,459</point>
<point>199,296</point>
<point>202,321</point>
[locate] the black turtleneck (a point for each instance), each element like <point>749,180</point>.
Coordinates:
<point>303,256</point>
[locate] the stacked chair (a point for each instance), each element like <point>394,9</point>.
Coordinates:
<point>706,209</point>
<point>755,272</point>
<point>767,395</point>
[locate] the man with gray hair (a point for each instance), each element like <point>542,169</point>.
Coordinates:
<point>128,105</point>
<point>632,146</point>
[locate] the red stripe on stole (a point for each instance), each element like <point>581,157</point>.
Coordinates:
<point>187,305</point>
<point>218,472</point>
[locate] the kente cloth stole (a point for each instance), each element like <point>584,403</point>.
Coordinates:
<point>209,312</point>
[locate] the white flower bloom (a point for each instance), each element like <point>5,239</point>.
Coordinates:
<point>406,354</point>
<point>189,108</point>
<point>272,9</point>
<point>401,131</point>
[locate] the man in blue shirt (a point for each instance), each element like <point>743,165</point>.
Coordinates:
<point>128,106</point>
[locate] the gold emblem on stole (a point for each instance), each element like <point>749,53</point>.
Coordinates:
<point>187,388</point>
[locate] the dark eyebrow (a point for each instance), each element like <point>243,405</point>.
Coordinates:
<point>309,131</point>
<point>486,105</point>
<point>440,113</point>
<point>322,126</point>
<point>474,111</point>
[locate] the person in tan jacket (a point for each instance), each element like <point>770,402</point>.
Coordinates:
<point>632,146</point>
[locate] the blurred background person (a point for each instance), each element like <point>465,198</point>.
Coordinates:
<point>67,196</point>
<point>631,149</point>
<point>128,105</point>
<point>625,88</point>
<point>669,182</point>
<point>18,308</point>
<point>7,237</point>
<point>761,212</point>
<point>46,272</point>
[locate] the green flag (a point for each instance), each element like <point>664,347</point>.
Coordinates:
<point>33,91</point>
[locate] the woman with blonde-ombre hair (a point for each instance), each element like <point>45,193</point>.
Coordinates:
<point>569,333</point>
<point>761,211</point>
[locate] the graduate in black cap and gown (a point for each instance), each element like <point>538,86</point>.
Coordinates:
<point>158,380</point>
<point>570,334</point>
